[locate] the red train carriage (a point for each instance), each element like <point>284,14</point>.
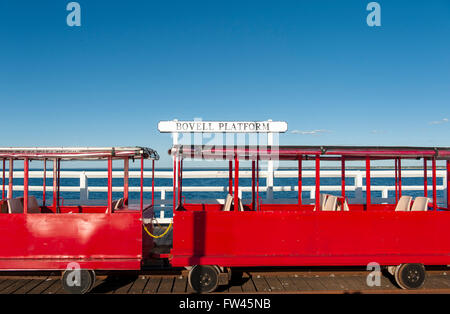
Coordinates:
<point>55,236</point>
<point>210,238</point>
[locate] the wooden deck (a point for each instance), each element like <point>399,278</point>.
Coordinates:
<point>247,282</point>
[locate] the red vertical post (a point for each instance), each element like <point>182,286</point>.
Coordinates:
<point>44,183</point>
<point>236,184</point>
<point>153,182</point>
<point>59,183</point>
<point>230,177</point>
<point>25,185</point>
<point>299,183</point>
<point>368,196</point>
<point>141,201</point>
<point>257,184</point>
<point>318,182</point>
<point>434,184</point>
<point>174,183</point>
<point>3,179</point>
<point>343,177</point>
<point>396,181</point>
<point>399,178</point>
<point>448,184</point>
<point>11,178</point>
<point>126,165</point>
<point>109,209</point>
<point>180,180</point>
<point>425,178</point>
<point>253,185</point>
<point>55,183</point>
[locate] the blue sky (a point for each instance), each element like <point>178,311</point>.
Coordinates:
<point>315,64</point>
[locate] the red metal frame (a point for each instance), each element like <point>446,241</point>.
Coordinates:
<point>296,235</point>
<point>96,237</point>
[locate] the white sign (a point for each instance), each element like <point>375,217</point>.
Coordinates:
<point>222,126</point>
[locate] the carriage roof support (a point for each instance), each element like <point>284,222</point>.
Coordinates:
<point>318,182</point>
<point>11,178</point>
<point>236,184</point>
<point>25,185</point>
<point>343,177</point>
<point>448,184</point>
<point>368,194</point>
<point>299,184</point>
<point>425,178</point>
<point>433,161</point>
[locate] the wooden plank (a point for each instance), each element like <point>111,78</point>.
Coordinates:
<point>274,284</point>
<point>445,280</point>
<point>29,286</point>
<point>124,288</point>
<point>138,286</point>
<point>44,285</point>
<point>235,288</point>
<point>355,283</point>
<point>248,285</point>
<point>54,288</point>
<point>301,284</point>
<point>315,283</point>
<point>332,283</point>
<point>152,285</point>
<point>166,285</point>
<point>179,285</point>
<point>15,286</point>
<point>261,284</point>
<point>434,282</point>
<point>287,283</point>
<point>6,283</point>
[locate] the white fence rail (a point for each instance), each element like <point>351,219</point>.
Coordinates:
<point>164,203</point>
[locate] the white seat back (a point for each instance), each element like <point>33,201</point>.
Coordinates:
<point>404,203</point>
<point>227,204</point>
<point>420,204</point>
<point>330,203</point>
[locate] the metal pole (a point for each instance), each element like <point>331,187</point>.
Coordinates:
<point>126,165</point>
<point>399,178</point>
<point>434,184</point>
<point>25,185</point>
<point>257,184</point>
<point>174,183</point>
<point>448,184</point>
<point>153,182</point>
<point>3,179</point>
<point>55,183</point>
<point>343,177</point>
<point>142,185</point>
<point>318,182</point>
<point>44,183</point>
<point>425,178</point>
<point>11,178</point>
<point>299,184</point>
<point>109,209</point>
<point>236,183</point>
<point>253,184</point>
<point>58,185</point>
<point>368,199</point>
<point>180,180</point>
<point>230,177</point>
<point>396,181</point>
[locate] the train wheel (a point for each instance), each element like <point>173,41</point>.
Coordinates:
<point>203,278</point>
<point>78,283</point>
<point>410,276</point>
